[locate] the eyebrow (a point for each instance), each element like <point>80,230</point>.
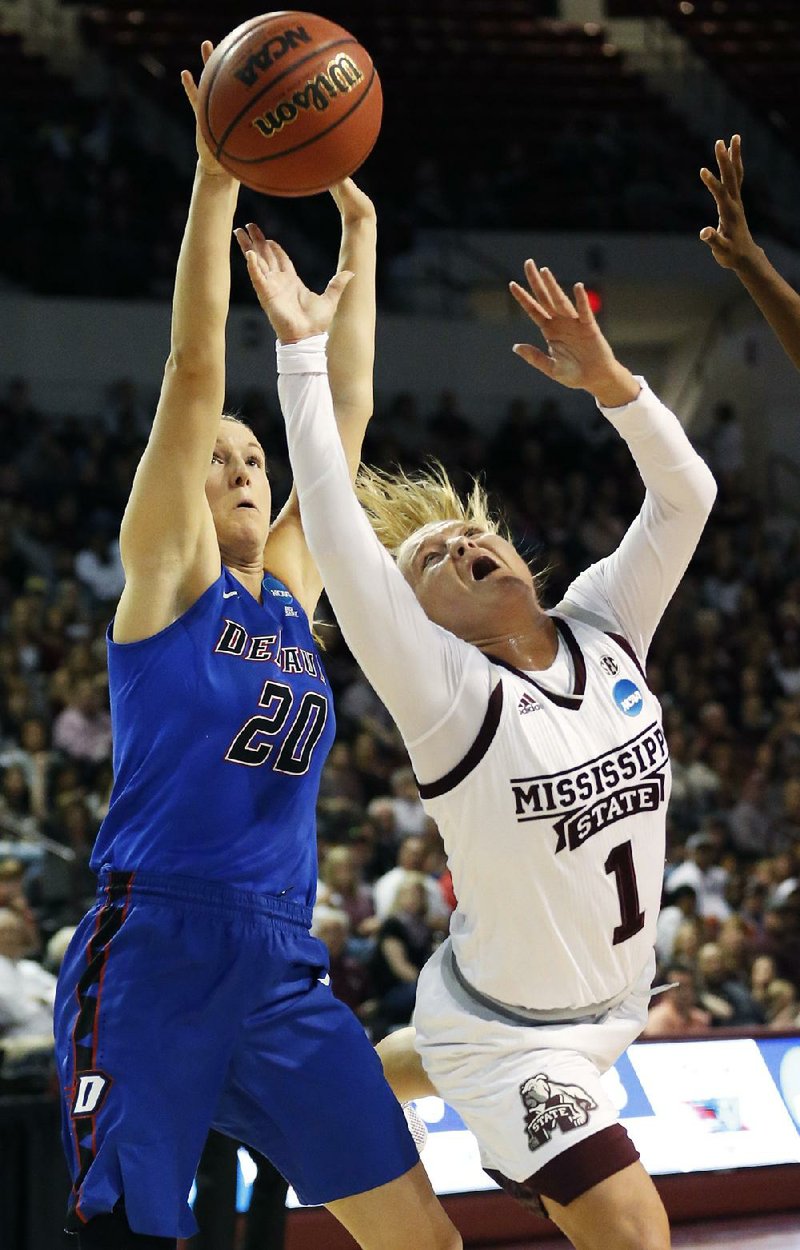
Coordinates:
<point>221,440</point>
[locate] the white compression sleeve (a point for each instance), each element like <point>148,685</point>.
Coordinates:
<point>631,588</point>
<point>435,686</point>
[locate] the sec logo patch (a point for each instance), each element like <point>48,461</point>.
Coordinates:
<point>628,697</point>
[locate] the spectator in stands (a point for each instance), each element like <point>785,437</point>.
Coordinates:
<point>681,905</point>
<point>781,1005</point>
<point>340,777</point>
<point>701,870</point>
<point>688,939</point>
<point>83,730</point>
<point>749,819</point>
<point>27,992</point>
<point>17,821</point>
<point>677,1011</point>
<point>726,998</point>
<point>410,858</point>
<point>99,567</point>
<point>762,974</point>
<point>403,943</point>
<point>13,897</point>
<point>341,886</point>
<point>350,978</point>
<point>409,814</point>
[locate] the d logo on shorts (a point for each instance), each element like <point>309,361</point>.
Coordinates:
<point>90,1092</point>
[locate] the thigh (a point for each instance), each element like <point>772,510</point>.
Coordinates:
<point>403,1215</point>
<point>307,1090</point>
<point>623,1212</point>
<point>145,1023</point>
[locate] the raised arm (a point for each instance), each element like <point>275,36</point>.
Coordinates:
<point>434,686</point>
<point>351,356</point>
<point>630,589</point>
<point>167,541</point>
<point>733,247</point>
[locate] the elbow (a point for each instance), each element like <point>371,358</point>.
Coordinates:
<point>706,488</point>
<point>198,362</point>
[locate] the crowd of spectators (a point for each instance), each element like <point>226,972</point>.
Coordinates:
<point>725,664</point>
<point>111,196</point>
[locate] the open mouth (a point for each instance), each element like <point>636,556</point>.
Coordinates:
<point>245,504</point>
<point>482,567</point>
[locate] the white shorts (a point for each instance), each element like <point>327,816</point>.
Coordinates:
<point>528,1092</point>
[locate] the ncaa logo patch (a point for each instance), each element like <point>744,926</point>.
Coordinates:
<point>628,697</point>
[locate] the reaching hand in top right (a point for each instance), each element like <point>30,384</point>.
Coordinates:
<point>731,243</point>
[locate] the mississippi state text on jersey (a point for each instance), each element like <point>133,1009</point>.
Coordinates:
<point>554,831</point>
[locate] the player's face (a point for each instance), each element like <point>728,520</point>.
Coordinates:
<point>463,576</point>
<point>237,488</point>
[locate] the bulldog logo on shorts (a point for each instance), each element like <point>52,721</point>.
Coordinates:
<point>549,1106</point>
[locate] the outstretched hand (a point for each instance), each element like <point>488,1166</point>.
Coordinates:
<point>578,355</point>
<point>353,204</point>
<point>204,154</point>
<point>293,311</point>
<point>731,243</point>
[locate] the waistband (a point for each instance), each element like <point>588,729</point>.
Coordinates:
<point>116,886</point>
<point>460,987</point>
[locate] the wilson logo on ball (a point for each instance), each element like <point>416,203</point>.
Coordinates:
<point>340,76</point>
<point>289,103</point>
<point>270,52</point>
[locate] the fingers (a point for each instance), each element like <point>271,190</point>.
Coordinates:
<point>539,286</point>
<point>736,159</point>
<point>582,304</point>
<point>721,196</point>
<point>257,269</point>
<point>536,357</point>
<point>256,233</point>
<point>529,305</point>
<point>187,78</point>
<point>190,87</point>
<point>336,287</point>
<point>252,241</point>
<point>726,169</point>
<point>280,258</point>
<point>712,182</point>
<point>558,300</point>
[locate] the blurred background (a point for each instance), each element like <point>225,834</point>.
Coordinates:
<point>567,130</point>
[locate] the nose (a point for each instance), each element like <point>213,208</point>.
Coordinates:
<point>459,545</point>
<point>240,473</point>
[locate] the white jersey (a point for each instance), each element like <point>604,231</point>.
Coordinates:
<point>550,789</point>
<point>554,829</point>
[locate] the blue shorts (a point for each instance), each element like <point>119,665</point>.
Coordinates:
<point>183,1005</point>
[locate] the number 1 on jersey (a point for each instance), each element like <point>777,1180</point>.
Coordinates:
<point>620,862</point>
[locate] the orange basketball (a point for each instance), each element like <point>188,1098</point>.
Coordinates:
<point>290,103</point>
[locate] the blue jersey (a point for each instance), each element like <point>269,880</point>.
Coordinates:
<point>222,722</point>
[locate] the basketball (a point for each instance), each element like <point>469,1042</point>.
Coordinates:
<point>290,103</point>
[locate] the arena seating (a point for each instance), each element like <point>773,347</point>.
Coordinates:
<point>754,45</point>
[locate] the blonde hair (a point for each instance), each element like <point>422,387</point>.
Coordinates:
<point>398,504</point>
<point>410,877</point>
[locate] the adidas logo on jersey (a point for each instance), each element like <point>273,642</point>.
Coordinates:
<point>527,704</point>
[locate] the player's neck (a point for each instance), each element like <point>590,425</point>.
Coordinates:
<point>534,645</point>
<point>250,575</point>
